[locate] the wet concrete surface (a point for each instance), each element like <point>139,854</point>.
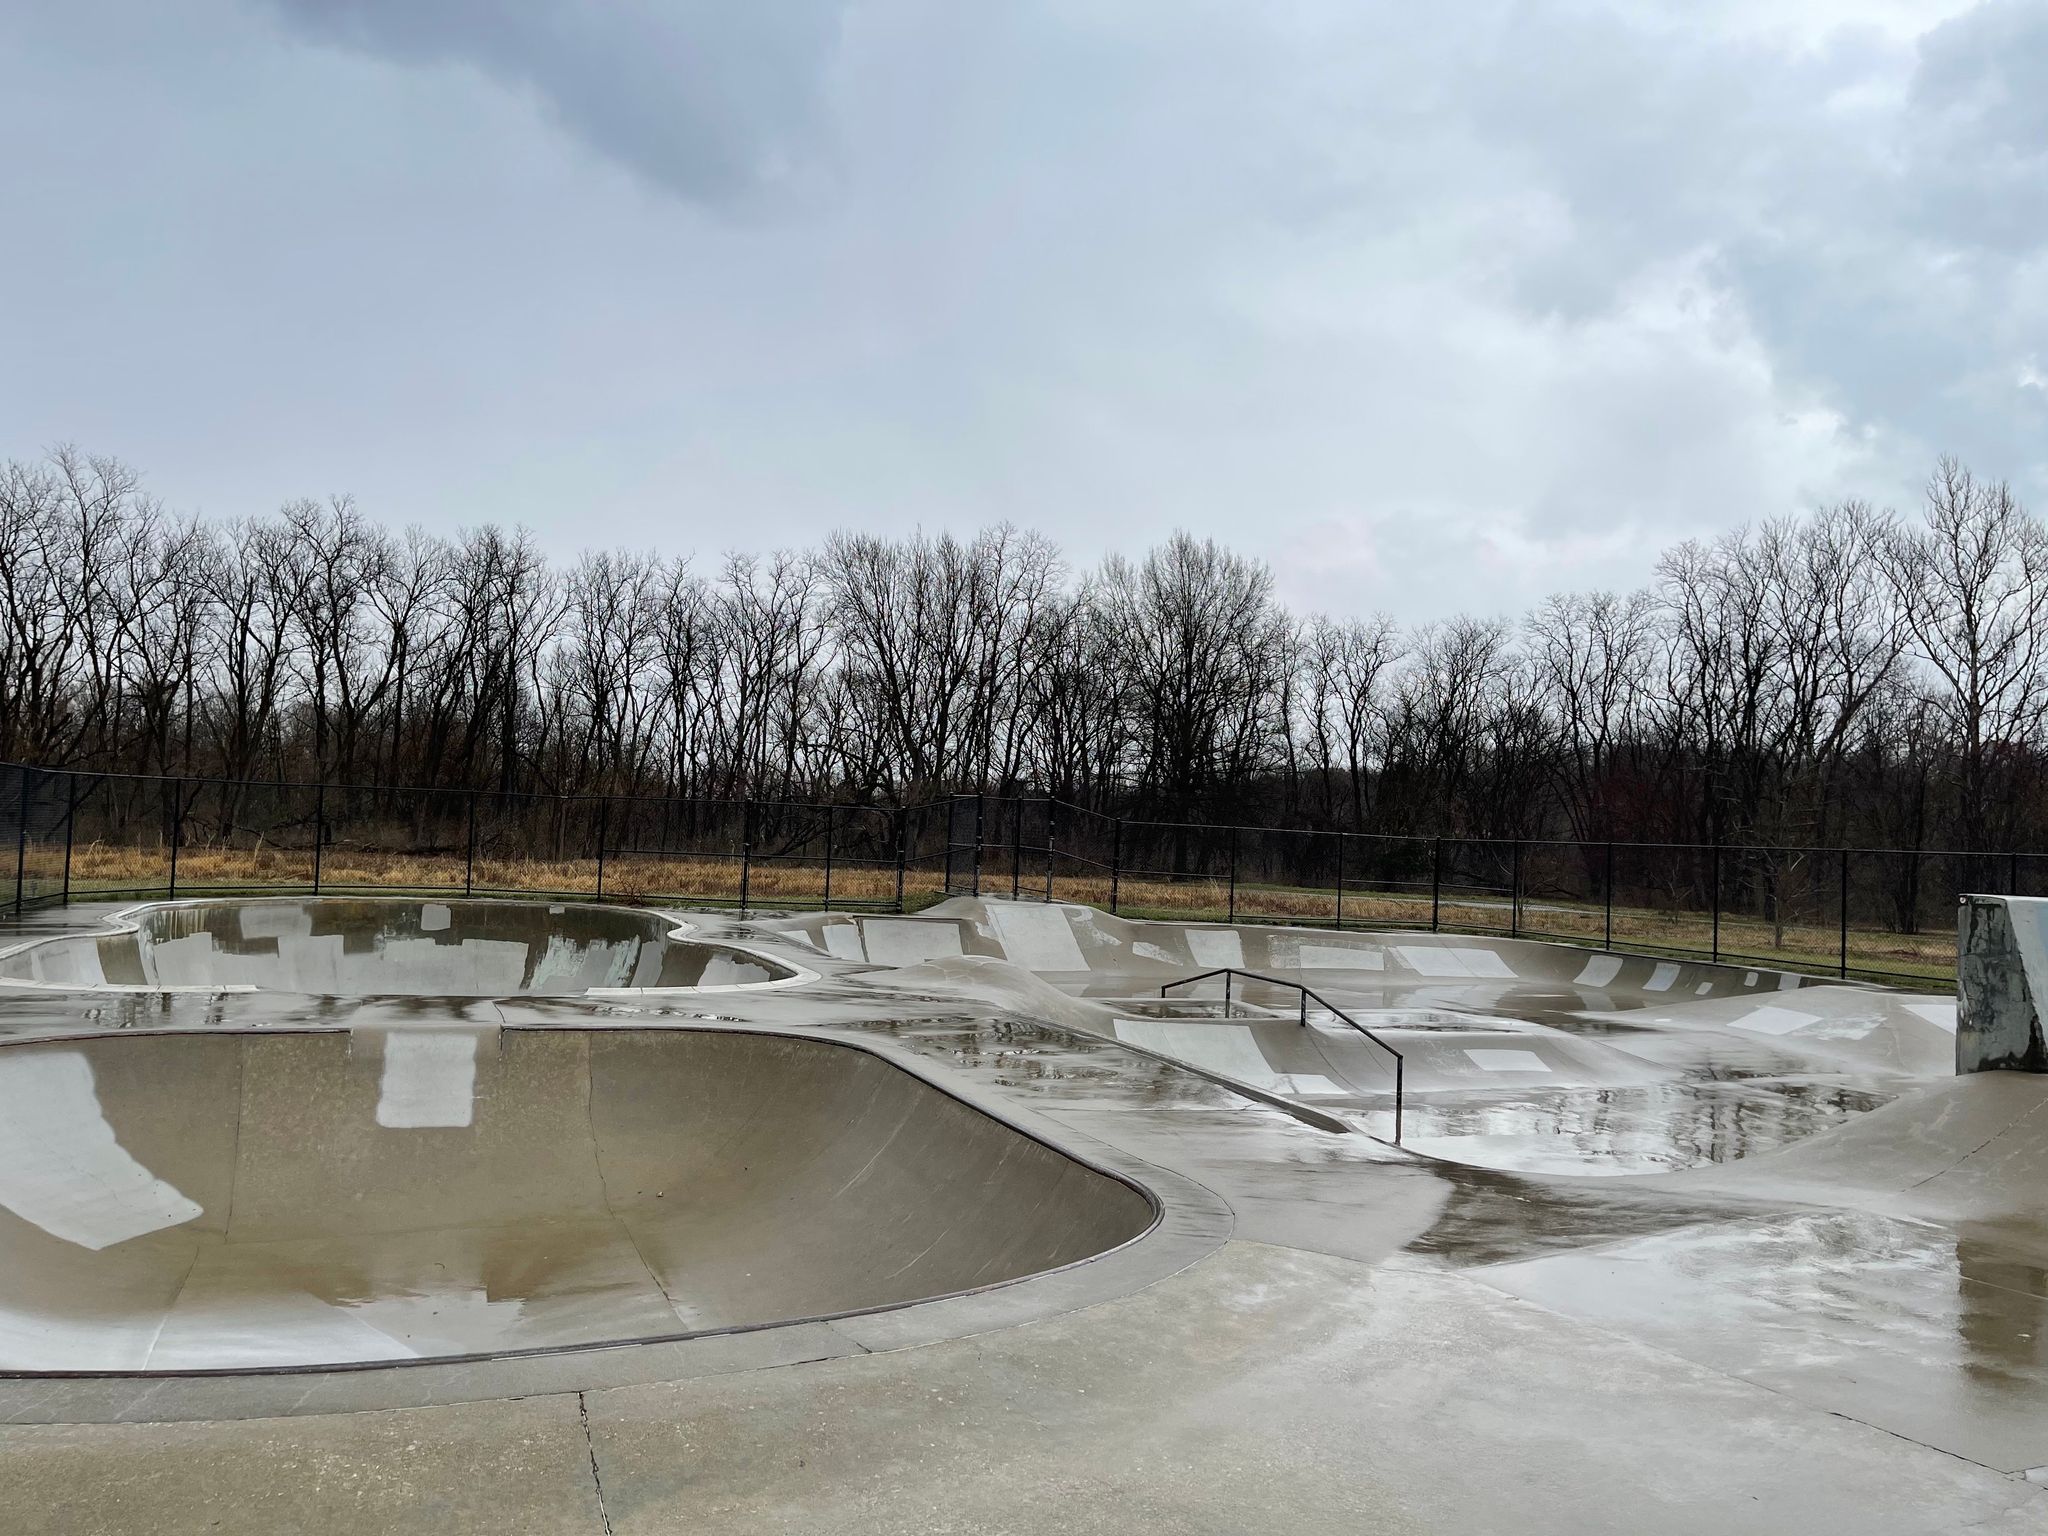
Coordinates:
<point>378,946</point>
<point>1814,1315</point>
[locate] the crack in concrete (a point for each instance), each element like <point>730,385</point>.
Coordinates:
<point>2010,1125</point>
<point>604,1518</point>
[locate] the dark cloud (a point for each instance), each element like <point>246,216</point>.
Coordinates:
<point>708,98</point>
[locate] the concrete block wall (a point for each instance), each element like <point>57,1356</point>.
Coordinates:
<point>2001,984</point>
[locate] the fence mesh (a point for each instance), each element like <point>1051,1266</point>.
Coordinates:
<point>1877,914</point>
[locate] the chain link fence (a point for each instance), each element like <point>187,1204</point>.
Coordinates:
<point>1862,913</point>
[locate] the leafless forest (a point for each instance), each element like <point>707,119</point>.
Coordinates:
<point>1851,676</point>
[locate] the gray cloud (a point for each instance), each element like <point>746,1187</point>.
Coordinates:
<point>1986,68</point>
<point>704,97</point>
<point>1436,311</point>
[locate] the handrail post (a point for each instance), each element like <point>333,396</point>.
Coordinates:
<point>319,830</point>
<point>1116,866</point>
<point>1436,881</point>
<point>1399,1094</point>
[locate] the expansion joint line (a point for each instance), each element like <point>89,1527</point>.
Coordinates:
<point>590,1450</point>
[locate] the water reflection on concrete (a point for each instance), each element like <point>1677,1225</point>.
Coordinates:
<point>1897,1323</point>
<point>1629,1130</point>
<point>348,946</point>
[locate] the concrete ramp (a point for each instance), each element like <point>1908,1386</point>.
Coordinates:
<point>1072,942</point>
<point>1969,1149</point>
<point>1824,1027</point>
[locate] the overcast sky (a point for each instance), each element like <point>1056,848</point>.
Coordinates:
<point>1433,307</point>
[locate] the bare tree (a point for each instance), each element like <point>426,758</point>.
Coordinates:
<point>1972,585</point>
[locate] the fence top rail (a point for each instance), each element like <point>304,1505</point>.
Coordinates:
<point>194,781</point>
<point>190,784</point>
<point>1065,854</point>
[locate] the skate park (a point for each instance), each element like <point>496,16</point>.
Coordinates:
<point>686,1215</point>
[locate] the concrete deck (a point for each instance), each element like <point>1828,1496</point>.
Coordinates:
<point>1776,1318</point>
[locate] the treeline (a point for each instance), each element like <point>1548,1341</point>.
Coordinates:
<point>1847,676</point>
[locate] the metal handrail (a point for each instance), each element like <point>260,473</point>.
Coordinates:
<point>1230,972</point>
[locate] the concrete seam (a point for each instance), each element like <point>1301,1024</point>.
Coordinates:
<point>604,1519</point>
<point>605,1188</point>
<point>227,1224</point>
<point>1850,1418</point>
<point>860,1348</point>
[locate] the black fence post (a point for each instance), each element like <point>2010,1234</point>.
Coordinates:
<point>21,839</point>
<point>1340,882</point>
<point>177,832</point>
<point>469,856</point>
<point>1608,882</point>
<point>1233,874</point>
<point>831,819</point>
<point>1843,902</point>
<point>71,798</point>
<point>1051,842</point>
<point>1436,882</point>
<point>746,855</point>
<point>1515,893</point>
<point>604,828</point>
<point>1714,899</point>
<point>1016,846</point>
<point>980,828</point>
<point>1116,865</point>
<point>902,852</point>
<point>319,831</point>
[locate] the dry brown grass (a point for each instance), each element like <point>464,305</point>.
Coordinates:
<point>98,868</point>
<point>102,869</point>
